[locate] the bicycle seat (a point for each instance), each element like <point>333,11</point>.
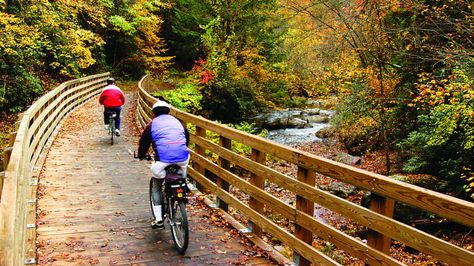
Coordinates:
<point>172,168</point>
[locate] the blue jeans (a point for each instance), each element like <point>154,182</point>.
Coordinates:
<point>116,110</point>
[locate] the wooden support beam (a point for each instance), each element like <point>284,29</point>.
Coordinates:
<point>385,207</point>
<point>307,207</point>
<point>259,182</point>
<point>224,164</point>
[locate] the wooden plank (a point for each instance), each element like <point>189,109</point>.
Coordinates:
<point>147,116</point>
<point>306,250</point>
<point>347,243</point>
<point>253,191</point>
<point>94,79</point>
<point>399,231</point>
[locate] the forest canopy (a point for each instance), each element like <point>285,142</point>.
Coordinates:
<point>399,72</point>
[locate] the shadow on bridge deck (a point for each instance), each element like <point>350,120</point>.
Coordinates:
<point>93,205</point>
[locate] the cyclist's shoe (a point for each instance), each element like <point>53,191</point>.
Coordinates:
<point>117,132</point>
<point>157,224</point>
<point>106,127</point>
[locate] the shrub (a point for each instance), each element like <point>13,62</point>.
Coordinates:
<point>443,144</point>
<point>185,97</point>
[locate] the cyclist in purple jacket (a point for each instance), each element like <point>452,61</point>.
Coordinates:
<point>169,140</point>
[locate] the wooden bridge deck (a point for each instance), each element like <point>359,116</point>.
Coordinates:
<point>93,205</point>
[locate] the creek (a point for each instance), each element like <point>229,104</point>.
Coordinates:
<point>293,126</point>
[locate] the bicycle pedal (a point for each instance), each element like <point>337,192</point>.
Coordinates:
<point>157,225</point>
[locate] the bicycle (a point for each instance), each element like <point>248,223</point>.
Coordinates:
<point>112,115</point>
<point>171,192</point>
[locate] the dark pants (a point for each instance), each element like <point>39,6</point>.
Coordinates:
<point>115,110</point>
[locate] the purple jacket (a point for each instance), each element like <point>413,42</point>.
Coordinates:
<point>168,137</point>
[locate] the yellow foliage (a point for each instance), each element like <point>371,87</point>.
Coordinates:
<point>432,91</point>
<point>383,84</point>
<point>150,45</point>
<point>15,36</point>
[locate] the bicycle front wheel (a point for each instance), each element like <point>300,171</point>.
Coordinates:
<point>179,226</point>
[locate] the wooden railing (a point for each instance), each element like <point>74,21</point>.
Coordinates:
<point>382,228</point>
<point>23,160</point>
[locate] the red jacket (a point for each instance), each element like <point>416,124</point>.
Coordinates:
<point>112,96</point>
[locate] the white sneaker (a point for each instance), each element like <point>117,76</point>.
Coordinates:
<point>117,132</point>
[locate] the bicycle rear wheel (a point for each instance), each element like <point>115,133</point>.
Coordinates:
<point>179,226</point>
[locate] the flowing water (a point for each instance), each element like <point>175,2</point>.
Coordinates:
<point>291,135</point>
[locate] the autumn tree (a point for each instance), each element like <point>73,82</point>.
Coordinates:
<point>41,39</point>
<point>438,60</point>
<point>242,60</point>
<point>416,62</point>
<point>133,42</point>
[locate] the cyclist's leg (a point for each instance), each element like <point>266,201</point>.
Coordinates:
<point>157,199</point>
<point>106,116</point>
<point>117,119</point>
<point>159,173</point>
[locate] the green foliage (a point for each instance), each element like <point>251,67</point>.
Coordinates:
<point>133,44</point>
<point>249,128</point>
<point>183,30</point>
<point>44,42</point>
<point>19,90</point>
<point>122,25</point>
<point>330,250</point>
<point>443,145</point>
<point>185,97</point>
<point>241,74</point>
<point>19,51</point>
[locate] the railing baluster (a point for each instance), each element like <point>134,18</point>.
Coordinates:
<point>305,206</point>
<point>259,182</point>
<point>201,132</point>
<point>225,164</point>
<point>383,206</point>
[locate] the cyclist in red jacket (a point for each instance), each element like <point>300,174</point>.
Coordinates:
<point>112,98</point>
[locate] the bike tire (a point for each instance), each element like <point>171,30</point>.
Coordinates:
<point>179,226</point>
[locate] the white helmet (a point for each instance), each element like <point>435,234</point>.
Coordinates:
<point>160,103</point>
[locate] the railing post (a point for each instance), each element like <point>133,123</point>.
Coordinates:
<point>307,207</point>
<point>383,206</point>
<point>259,182</point>
<point>224,164</point>
<point>8,151</point>
<point>200,132</point>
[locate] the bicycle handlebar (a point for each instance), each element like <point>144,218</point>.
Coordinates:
<point>148,157</point>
